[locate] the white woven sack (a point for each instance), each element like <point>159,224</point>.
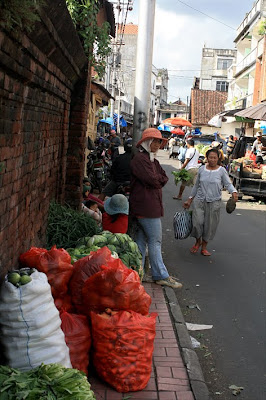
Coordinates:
<point>30,325</point>
<point>182,224</point>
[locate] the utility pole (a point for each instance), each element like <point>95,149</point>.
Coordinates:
<point>118,108</point>
<point>112,102</point>
<point>143,67</point>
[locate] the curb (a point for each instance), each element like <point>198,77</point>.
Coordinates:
<point>191,361</point>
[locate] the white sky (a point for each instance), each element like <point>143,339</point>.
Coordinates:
<point>180,33</point>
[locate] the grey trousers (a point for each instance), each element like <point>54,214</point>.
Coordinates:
<point>205,219</point>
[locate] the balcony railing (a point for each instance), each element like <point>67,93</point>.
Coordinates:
<point>247,61</point>
<point>257,7</point>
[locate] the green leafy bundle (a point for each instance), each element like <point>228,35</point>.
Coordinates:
<point>182,175</point>
<point>50,382</point>
<point>95,39</point>
<point>66,226</point>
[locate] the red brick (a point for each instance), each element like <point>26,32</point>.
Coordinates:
<point>164,372</point>
<point>172,381</point>
<point>99,394</point>
<point>172,351</point>
<point>179,373</point>
<point>141,395</point>
<point>166,343</point>
<point>174,388</point>
<point>178,363</point>
<point>159,352</point>
<point>112,395</point>
<point>168,334</point>
<point>167,396</point>
<point>151,385</point>
<point>185,396</point>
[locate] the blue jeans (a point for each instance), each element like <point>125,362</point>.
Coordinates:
<point>150,232</point>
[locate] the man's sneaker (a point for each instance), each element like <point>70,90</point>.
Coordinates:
<point>171,282</point>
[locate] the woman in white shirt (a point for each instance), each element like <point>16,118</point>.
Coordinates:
<point>206,196</point>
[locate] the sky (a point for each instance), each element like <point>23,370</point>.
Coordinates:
<point>180,33</point>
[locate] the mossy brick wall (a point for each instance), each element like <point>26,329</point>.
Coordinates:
<point>44,85</point>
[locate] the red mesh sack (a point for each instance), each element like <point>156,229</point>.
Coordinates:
<point>31,258</point>
<point>56,264</point>
<point>64,304</point>
<point>116,287</point>
<point>84,269</point>
<point>78,339</point>
<point>122,349</point>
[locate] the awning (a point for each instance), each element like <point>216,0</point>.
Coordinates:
<point>254,112</point>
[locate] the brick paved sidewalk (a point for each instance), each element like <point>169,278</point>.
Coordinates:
<point>169,379</point>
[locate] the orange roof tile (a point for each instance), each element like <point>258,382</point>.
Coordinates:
<point>130,29</point>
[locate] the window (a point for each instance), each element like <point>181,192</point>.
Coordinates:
<point>224,63</point>
<point>222,86</point>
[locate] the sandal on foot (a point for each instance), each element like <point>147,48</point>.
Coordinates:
<point>194,249</point>
<point>205,253</point>
<point>177,198</point>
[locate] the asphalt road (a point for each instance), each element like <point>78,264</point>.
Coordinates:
<point>230,289</point>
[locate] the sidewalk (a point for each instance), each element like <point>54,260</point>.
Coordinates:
<point>175,376</point>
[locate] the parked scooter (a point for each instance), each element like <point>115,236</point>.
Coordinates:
<point>98,168</point>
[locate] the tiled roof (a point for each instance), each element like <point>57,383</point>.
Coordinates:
<point>205,104</point>
<point>130,29</point>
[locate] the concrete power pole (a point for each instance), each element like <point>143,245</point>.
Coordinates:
<point>143,67</point>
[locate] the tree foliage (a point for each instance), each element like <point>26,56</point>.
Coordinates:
<point>20,14</point>
<point>95,39</point>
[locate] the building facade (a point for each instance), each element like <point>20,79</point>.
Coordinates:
<point>214,65</point>
<point>248,74</point>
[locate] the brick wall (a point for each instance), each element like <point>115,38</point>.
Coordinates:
<point>44,93</point>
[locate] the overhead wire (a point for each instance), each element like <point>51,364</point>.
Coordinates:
<point>195,9</point>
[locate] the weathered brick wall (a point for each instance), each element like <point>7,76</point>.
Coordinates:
<point>43,87</point>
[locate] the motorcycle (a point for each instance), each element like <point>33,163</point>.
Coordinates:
<point>98,168</point>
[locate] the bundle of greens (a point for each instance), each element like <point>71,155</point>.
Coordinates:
<point>182,175</point>
<point>51,382</point>
<point>66,226</point>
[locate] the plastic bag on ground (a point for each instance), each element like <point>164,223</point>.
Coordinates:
<point>30,326</point>
<point>84,269</point>
<point>56,264</point>
<point>182,224</point>
<point>116,287</point>
<point>31,257</point>
<point>123,348</point>
<point>78,339</point>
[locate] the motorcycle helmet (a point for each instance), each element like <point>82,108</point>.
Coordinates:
<point>128,145</point>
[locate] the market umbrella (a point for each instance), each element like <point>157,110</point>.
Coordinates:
<point>178,131</point>
<point>177,122</point>
<point>165,128</point>
<point>108,120</point>
<point>254,112</point>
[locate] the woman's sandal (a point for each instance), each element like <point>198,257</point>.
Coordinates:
<point>205,253</point>
<point>194,249</point>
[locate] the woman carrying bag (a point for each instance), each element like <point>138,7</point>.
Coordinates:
<point>147,180</point>
<point>206,196</point>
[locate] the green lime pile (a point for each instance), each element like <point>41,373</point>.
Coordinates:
<point>20,277</point>
<point>50,382</point>
<point>118,243</point>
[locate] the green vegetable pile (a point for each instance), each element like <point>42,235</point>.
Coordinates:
<point>47,382</point>
<point>118,243</point>
<point>66,226</point>
<point>182,175</point>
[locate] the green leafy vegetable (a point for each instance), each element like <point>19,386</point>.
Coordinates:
<point>50,382</point>
<point>182,175</point>
<point>66,226</point>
